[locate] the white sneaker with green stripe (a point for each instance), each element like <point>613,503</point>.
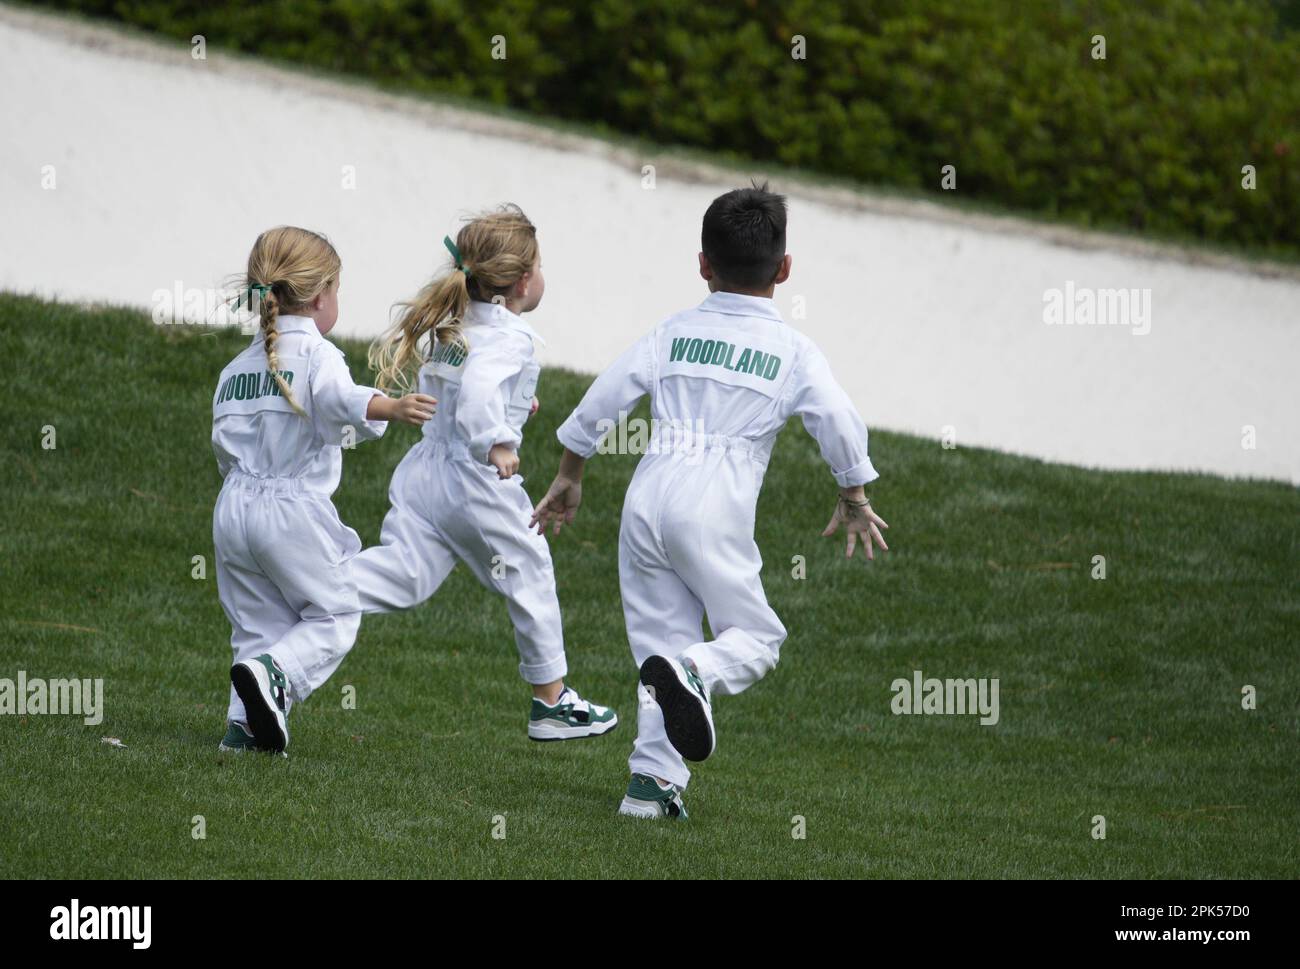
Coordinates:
<point>569,718</point>
<point>239,740</point>
<point>647,798</point>
<point>682,696</point>
<point>263,688</point>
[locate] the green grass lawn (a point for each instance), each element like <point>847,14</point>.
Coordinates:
<point>1119,697</point>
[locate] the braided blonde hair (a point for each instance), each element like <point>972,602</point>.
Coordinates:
<point>497,248</point>
<point>290,267</point>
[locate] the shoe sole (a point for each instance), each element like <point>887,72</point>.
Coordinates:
<point>263,719</point>
<point>640,809</point>
<point>685,717</point>
<point>552,734</point>
<point>223,749</point>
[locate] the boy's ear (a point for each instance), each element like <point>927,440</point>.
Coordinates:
<point>783,273</point>
<point>706,271</point>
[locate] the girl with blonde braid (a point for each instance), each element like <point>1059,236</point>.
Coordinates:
<point>282,413</point>
<point>456,496</point>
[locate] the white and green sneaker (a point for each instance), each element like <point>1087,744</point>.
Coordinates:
<point>569,718</point>
<point>239,740</point>
<point>262,685</point>
<point>688,715</point>
<point>645,798</point>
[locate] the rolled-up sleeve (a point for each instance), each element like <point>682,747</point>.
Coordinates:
<point>614,392</point>
<point>338,403</point>
<point>481,407</point>
<point>830,417</point>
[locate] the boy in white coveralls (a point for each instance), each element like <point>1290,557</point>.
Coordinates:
<point>732,371</point>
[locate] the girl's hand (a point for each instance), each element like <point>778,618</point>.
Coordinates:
<point>415,408</point>
<point>536,404</point>
<point>855,514</point>
<point>504,459</point>
<point>559,506</point>
<point>412,409</point>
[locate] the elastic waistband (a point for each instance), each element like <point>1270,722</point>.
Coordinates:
<point>268,485</point>
<point>445,447</point>
<point>669,437</point>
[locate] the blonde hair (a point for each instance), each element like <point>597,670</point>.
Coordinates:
<point>496,249</point>
<point>290,267</point>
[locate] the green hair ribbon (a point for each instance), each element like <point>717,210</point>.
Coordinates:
<point>455,254</point>
<point>261,289</point>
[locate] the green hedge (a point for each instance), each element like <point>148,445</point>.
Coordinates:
<point>1153,138</point>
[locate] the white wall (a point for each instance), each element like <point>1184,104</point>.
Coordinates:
<point>166,169</point>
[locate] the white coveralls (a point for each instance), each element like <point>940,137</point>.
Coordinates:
<point>449,505</point>
<point>283,555</point>
<point>723,378</point>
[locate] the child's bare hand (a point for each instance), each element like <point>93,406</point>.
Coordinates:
<point>559,506</point>
<point>536,405</point>
<point>859,521</point>
<point>414,408</point>
<point>504,459</point>
<point>410,409</point>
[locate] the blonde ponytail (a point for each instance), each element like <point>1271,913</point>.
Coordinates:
<point>436,312</point>
<point>289,267</point>
<point>491,254</point>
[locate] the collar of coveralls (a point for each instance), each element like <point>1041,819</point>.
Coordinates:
<point>289,323</point>
<point>741,304</point>
<point>295,324</point>
<point>495,314</point>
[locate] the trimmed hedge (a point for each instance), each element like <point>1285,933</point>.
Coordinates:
<point>1152,138</point>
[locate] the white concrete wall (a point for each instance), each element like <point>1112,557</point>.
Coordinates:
<point>166,169</point>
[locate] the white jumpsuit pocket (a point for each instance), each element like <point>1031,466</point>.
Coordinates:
<point>521,399</point>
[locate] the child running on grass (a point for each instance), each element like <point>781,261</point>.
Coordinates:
<point>282,411</point>
<point>456,496</point>
<point>734,372</point>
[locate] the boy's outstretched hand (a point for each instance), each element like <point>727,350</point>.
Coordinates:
<point>560,504</point>
<point>853,511</point>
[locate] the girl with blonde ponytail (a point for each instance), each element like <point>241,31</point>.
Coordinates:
<point>282,412</point>
<point>456,496</point>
